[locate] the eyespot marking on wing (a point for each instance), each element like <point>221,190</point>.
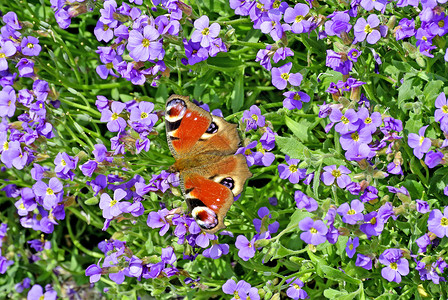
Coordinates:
<point>205,217</point>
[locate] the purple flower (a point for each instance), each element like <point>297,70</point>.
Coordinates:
<point>365,29</point>
<point>294,99</point>
<point>353,55</point>
<point>405,29</point>
<point>351,215</point>
<point>194,52</point>
<point>158,220</point>
<point>441,113</point>
<point>423,242</point>
<point>239,289</point>
<point>351,246</point>
<point>30,46</point>
<point>115,123</point>
<point>49,193</point>
<point>291,171</point>
<point>271,24</point>
<point>7,101</point>
<point>281,77</point>
<point>264,215</point>
<point>145,46</point>
<point>419,143</point>
<point>25,67</point>
<point>339,23</point>
<point>246,247</point>
<point>338,62</point>
<point>21,286</point>
<point>216,251</point>
<point>396,265</point>
<point>253,118</point>
<point>315,231</point>
<point>422,206</point>
<point>296,16</point>
<point>64,163</point>
<point>347,122</point>
<point>94,272</point>
<point>304,201</point>
<point>363,261</point>
<point>37,292</point>
<point>111,207</point>
<point>438,222</point>
<point>295,290</point>
<point>204,33</point>
<point>369,5</point>
<point>433,158</point>
<point>143,114</point>
<point>12,21</point>
<point>339,174</point>
<point>7,49</point>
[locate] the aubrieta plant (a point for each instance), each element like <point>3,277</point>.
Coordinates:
<point>343,116</point>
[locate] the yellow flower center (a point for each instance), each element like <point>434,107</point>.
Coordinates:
<point>445,109</point>
<point>373,221</point>
<point>422,138</point>
<point>313,230</point>
<point>393,266</point>
<point>105,27</point>
<point>113,202</point>
<point>293,168</point>
<point>297,97</point>
<point>248,152</point>
<point>143,115</point>
<point>355,136</point>
<point>298,19</point>
<point>296,286</point>
<point>350,247</point>
<point>276,4</point>
<point>368,120</point>
<point>424,38</point>
<point>444,222</point>
<point>336,173</point>
<point>351,212</point>
<point>355,54</point>
<point>368,29</point>
<point>109,65</point>
<point>50,191</point>
<point>114,116</point>
<point>30,45</point>
<point>146,43</point>
<point>205,31</point>
<point>21,206</point>
<point>345,120</point>
<point>441,23</point>
<point>2,55</point>
<point>42,297</point>
<point>255,117</point>
<point>5,146</point>
<point>63,162</point>
<point>285,76</point>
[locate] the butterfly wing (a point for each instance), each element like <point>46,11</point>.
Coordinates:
<point>191,130</point>
<point>203,146</point>
<point>211,188</point>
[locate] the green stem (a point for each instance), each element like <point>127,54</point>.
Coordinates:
<point>77,243</point>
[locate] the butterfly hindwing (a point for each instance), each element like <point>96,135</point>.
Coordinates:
<point>211,188</point>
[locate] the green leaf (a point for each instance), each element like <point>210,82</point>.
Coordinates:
<point>291,147</point>
<point>338,275</point>
<point>237,97</point>
<point>431,91</point>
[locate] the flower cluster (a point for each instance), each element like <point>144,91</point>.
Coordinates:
<point>120,263</point>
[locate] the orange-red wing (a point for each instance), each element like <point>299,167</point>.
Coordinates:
<point>185,124</point>
<point>203,192</point>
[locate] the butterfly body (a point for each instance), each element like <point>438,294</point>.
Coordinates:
<point>204,147</point>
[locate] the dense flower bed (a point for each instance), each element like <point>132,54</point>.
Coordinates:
<point>344,121</point>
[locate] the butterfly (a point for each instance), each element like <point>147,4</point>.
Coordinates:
<point>204,146</point>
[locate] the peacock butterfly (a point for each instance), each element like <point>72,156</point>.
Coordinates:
<point>204,146</point>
